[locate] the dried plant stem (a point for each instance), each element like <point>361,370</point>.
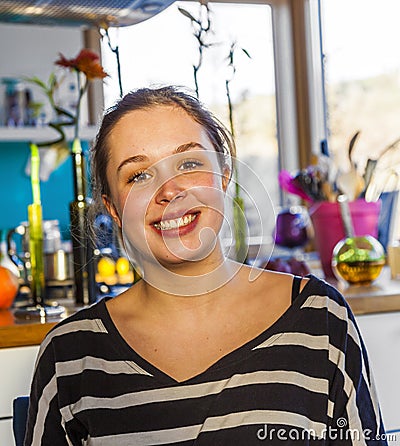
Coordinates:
<point>201,26</point>
<point>200,36</point>
<point>115,50</point>
<point>81,90</point>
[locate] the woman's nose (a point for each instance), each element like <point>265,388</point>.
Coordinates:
<point>170,190</point>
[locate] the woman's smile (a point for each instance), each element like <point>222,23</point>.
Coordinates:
<point>174,227</point>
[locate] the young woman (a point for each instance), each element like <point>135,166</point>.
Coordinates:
<point>195,353</point>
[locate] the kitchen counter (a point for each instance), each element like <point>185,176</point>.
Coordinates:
<point>380,297</point>
<point>18,332</point>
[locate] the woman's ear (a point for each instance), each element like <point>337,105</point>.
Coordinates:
<point>226,177</point>
<point>109,205</point>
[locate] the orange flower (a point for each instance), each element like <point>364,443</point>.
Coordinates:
<point>86,62</point>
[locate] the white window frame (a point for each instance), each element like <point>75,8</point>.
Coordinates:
<point>299,81</point>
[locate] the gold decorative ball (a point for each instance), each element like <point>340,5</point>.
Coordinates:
<point>358,260</point>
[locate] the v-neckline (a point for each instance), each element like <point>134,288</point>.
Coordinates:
<point>240,353</point>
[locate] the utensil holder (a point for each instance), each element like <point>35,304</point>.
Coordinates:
<point>329,230</point>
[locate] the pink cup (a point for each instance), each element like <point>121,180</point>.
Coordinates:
<point>328,226</point>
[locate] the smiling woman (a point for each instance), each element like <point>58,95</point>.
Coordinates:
<point>203,350</point>
<point>168,194</point>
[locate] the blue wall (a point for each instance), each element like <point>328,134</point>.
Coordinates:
<point>16,192</point>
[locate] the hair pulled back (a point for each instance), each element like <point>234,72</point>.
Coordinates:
<point>145,98</point>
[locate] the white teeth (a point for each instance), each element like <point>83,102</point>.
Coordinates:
<point>164,225</point>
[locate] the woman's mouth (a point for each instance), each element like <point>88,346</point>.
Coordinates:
<point>176,223</point>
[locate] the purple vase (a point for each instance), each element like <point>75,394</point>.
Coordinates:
<point>291,227</point>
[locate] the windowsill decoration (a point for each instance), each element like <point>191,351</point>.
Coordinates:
<point>372,197</point>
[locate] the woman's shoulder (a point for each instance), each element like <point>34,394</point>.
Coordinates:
<point>85,334</point>
<point>308,285</point>
<point>310,291</point>
<point>91,318</point>
<point>325,301</point>
<point>316,286</point>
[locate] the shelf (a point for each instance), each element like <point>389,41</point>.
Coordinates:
<point>39,134</point>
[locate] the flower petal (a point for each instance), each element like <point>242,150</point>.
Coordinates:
<point>86,62</point>
<point>64,62</point>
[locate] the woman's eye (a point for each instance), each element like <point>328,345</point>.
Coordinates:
<point>139,177</point>
<point>190,164</point>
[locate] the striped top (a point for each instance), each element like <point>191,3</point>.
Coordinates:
<point>304,380</point>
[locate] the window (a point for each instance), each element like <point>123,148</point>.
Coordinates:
<point>163,50</point>
<point>362,78</point>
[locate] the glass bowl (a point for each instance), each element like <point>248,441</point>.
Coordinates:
<point>358,260</point>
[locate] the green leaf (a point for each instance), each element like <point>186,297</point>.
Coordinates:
<point>52,82</point>
<point>37,81</point>
<point>187,14</point>
<point>246,52</point>
<point>63,112</point>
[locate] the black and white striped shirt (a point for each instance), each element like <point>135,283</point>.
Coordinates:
<point>304,380</point>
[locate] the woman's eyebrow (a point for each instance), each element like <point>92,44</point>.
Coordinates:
<point>132,159</point>
<point>141,158</point>
<point>188,146</point>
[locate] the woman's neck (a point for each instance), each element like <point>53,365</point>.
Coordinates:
<point>190,278</point>
<point>199,294</point>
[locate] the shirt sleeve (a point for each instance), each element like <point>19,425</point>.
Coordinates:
<point>44,424</point>
<point>354,412</point>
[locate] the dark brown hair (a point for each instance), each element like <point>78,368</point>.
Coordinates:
<point>146,98</point>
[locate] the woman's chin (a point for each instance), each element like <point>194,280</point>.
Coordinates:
<point>173,252</point>
<point>184,254</point>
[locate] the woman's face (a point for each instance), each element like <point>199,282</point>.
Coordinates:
<point>167,189</point>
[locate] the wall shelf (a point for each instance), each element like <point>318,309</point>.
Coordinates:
<point>38,134</point>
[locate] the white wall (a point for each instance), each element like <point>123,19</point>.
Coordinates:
<point>29,50</point>
<point>381,334</point>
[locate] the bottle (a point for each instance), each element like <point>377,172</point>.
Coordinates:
<point>13,103</point>
<point>82,246</point>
